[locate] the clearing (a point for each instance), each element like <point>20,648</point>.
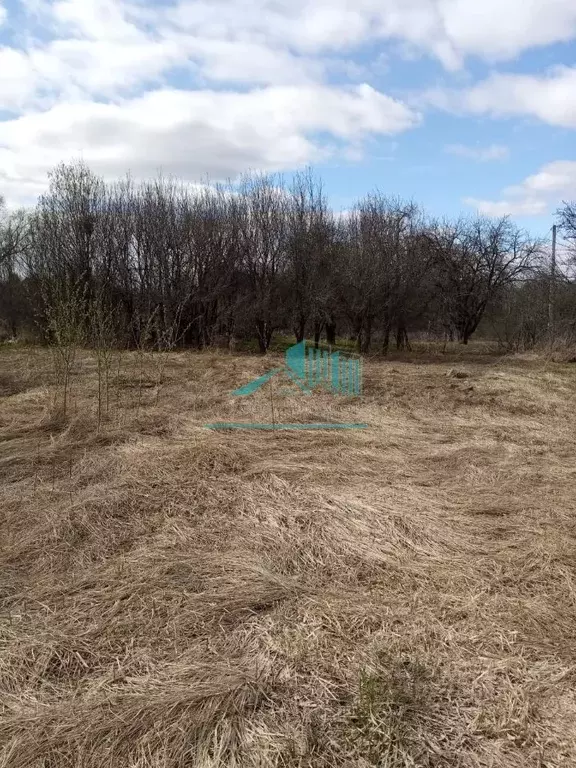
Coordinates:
<point>402,595</point>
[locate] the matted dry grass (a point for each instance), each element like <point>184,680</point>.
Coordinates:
<point>402,595</point>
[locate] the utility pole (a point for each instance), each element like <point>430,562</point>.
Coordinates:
<point>551,286</point>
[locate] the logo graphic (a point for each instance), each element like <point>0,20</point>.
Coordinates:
<point>308,368</point>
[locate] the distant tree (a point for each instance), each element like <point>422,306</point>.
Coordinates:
<point>309,241</point>
<point>476,259</point>
<point>168,263</point>
<point>13,234</point>
<point>566,217</point>
<point>263,233</point>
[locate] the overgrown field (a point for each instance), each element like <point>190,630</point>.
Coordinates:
<point>402,595</point>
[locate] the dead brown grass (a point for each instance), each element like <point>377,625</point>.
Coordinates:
<point>397,596</point>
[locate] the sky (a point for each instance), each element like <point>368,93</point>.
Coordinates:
<point>463,106</point>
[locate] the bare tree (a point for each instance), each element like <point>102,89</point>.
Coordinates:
<point>476,259</point>
<point>308,249</point>
<point>175,264</point>
<point>13,237</point>
<point>567,220</point>
<point>263,252</point>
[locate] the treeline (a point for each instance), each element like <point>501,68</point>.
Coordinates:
<point>164,264</point>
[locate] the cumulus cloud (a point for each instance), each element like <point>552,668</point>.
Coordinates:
<point>482,154</point>
<point>92,77</point>
<point>550,97</point>
<point>508,207</point>
<point>97,86</point>
<point>102,45</point>
<point>447,29</point>
<point>251,62</point>
<point>195,133</point>
<point>534,196</point>
<point>94,49</point>
<point>497,30</point>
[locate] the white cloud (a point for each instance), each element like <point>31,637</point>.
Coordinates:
<point>497,30</point>
<point>536,195</point>
<point>96,20</point>
<point>98,87</point>
<point>251,62</point>
<point>71,69</point>
<point>251,79</point>
<point>482,154</point>
<point>447,29</point>
<point>557,178</point>
<point>106,45</point>
<point>194,133</point>
<point>283,41</point>
<point>499,208</point>
<point>95,49</point>
<point>550,97</point>
<point>16,77</point>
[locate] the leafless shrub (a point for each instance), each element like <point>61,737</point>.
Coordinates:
<point>65,317</point>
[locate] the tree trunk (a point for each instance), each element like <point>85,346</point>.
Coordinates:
<point>262,335</point>
<point>358,326</point>
<point>402,337</point>
<point>317,333</point>
<point>464,333</point>
<point>366,338</point>
<point>300,330</point>
<point>331,333</point>
<point>386,340</point>
<point>230,342</point>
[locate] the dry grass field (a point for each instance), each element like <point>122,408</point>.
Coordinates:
<point>403,595</point>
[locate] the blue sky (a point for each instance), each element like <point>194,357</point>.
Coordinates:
<point>460,105</point>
